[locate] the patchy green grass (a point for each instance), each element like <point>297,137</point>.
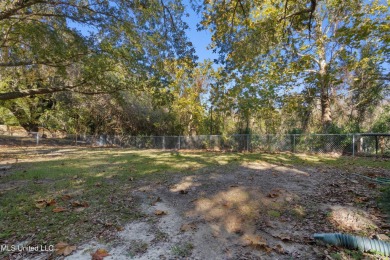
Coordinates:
<point>103,179</point>
<point>273,213</point>
<point>343,162</point>
<point>384,200</point>
<point>182,250</point>
<point>137,247</point>
<point>347,255</point>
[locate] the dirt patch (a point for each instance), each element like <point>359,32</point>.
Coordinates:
<point>12,185</point>
<point>156,238</point>
<point>248,211</point>
<point>353,219</point>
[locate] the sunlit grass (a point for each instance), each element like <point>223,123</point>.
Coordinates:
<point>104,178</point>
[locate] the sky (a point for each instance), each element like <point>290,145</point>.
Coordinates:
<point>200,39</point>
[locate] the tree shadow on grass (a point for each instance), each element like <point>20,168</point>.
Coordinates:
<point>105,179</point>
<point>272,210</point>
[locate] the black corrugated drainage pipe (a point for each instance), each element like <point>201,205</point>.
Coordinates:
<point>354,242</point>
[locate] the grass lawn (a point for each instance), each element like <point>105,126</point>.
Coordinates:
<point>57,194</point>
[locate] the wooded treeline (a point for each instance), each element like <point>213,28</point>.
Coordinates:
<point>127,67</point>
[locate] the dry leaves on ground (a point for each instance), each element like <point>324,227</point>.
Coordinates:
<point>256,242</point>
<point>64,249</point>
<point>59,209</point>
<point>187,227</point>
<point>159,213</point>
<point>43,203</point>
<point>99,254</point>
<point>77,203</point>
<point>66,197</point>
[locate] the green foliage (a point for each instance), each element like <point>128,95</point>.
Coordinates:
<point>182,250</point>
<point>334,129</point>
<point>273,46</point>
<point>317,66</point>
<point>122,46</point>
<point>382,125</point>
<point>384,200</point>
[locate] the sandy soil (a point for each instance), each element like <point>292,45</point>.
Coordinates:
<point>247,211</point>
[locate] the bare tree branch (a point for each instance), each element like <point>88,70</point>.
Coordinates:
<point>28,92</point>
<point>306,10</point>
<point>18,5</point>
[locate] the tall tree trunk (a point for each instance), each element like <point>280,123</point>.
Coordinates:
<point>326,114</point>
<point>309,97</point>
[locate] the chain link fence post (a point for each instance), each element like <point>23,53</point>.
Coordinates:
<point>293,143</point>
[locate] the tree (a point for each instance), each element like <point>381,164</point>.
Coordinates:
<point>43,50</point>
<point>189,89</point>
<point>366,88</point>
<point>126,45</point>
<point>305,39</point>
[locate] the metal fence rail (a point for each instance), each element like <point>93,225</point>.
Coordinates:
<point>349,144</point>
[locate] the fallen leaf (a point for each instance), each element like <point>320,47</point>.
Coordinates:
<point>158,199</point>
<point>64,249</point>
<point>159,213</point>
<point>98,184</point>
<point>265,248</point>
<point>279,249</point>
<point>99,254</point>
<point>66,197</point>
<point>40,204</point>
<point>77,203</point>
<point>382,237</point>
<point>372,185</point>
<point>79,209</point>
<point>119,228</point>
<point>284,237</point>
<point>253,240</point>
<point>274,193</point>
<point>187,227</point>
<point>59,209</point>
<point>256,242</point>
<point>44,203</point>
<point>51,202</point>
<point>361,199</point>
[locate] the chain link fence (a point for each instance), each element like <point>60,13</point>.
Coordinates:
<point>347,144</point>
